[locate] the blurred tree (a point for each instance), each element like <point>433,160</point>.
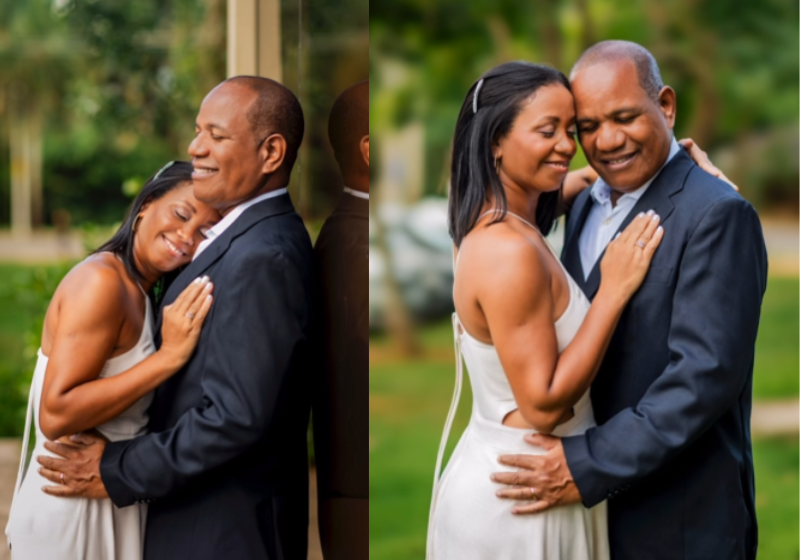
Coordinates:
<point>116,86</point>
<point>35,56</point>
<point>733,64</point>
<point>132,106</point>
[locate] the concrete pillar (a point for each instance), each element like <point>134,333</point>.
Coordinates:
<point>254,38</point>
<point>21,174</point>
<point>25,147</point>
<point>37,167</point>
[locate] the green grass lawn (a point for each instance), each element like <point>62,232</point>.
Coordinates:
<point>776,371</point>
<point>409,400</point>
<point>777,489</point>
<point>24,294</point>
<point>13,316</point>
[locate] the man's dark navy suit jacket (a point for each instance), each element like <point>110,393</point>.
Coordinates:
<point>225,463</point>
<point>672,398</point>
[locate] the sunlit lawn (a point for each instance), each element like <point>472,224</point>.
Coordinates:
<point>24,293</point>
<point>409,400</point>
<point>13,317</point>
<point>776,373</point>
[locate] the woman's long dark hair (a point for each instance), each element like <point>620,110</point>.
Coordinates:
<point>171,176</point>
<point>472,177</point>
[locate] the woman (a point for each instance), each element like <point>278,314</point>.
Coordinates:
<point>97,365</point>
<point>531,341</point>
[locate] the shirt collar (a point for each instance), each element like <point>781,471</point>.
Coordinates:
<point>357,194</point>
<point>601,192</point>
<point>231,216</point>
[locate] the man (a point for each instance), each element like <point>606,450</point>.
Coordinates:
<point>341,420</point>
<point>672,398</point>
<point>225,465</point>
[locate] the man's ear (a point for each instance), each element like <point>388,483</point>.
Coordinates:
<point>668,105</point>
<point>363,146</point>
<point>272,152</point>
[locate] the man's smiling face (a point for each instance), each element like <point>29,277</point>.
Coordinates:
<point>225,154</point>
<point>624,133</point>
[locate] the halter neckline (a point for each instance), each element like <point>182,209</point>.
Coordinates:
<point>134,279</point>
<point>508,212</point>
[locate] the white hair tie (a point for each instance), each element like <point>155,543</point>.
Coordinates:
<point>475,96</point>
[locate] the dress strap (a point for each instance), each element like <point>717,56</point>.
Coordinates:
<point>446,434</point>
<point>510,213</point>
<point>26,436</point>
<point>526,222</point>
<point>134,279</point>
<point>486,214</point>
<point>517,216</point>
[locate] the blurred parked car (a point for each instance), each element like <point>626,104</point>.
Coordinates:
<point>421,253</point>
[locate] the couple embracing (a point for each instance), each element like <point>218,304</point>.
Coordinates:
<point>613,387</point>
<point>193,425</point>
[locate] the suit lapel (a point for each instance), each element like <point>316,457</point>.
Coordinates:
<point>571,256</point>
<point>657,197</point>
<point>256,213</point>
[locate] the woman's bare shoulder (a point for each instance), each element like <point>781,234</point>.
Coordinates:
<point>504,256</point>
<point>96,282</point>
<point>501,243</point>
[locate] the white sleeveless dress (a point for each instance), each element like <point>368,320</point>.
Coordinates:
<point>44,527</point>
<point>467,520</point>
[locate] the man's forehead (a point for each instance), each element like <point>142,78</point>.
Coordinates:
<point>227,101</point>
<point>607,86</point>
<point>230,92</point>
<point>604,74</point>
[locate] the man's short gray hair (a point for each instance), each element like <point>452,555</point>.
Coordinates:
<point>612,51</point>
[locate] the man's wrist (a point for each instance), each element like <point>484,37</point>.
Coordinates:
<point>578,462</point>
<point>117,491</point>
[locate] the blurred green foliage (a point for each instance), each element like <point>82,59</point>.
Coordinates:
<point>116,86</point>
<point>777,487</point>
<point>734,66</point>
<point>25,293</point>
<point>776,369</point>
<point>409,400</point>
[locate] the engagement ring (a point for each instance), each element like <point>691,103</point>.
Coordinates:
<point>190,314</point>
<point>640,243</point>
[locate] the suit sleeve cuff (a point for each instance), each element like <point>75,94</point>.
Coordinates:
<point>111,474</point>
<point>579,461</point>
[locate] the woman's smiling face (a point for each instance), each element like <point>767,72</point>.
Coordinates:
<point>170,229</point>
<point>536,152</point>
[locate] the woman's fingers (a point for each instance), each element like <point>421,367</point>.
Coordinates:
<point>635,228</point>
<point>203,311</point>
<point>200,297</point>
<point>650,228</point>
<point>654,242</point>
<point>189,294</point>
<point>702,160</point>
<point>180,302</point>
